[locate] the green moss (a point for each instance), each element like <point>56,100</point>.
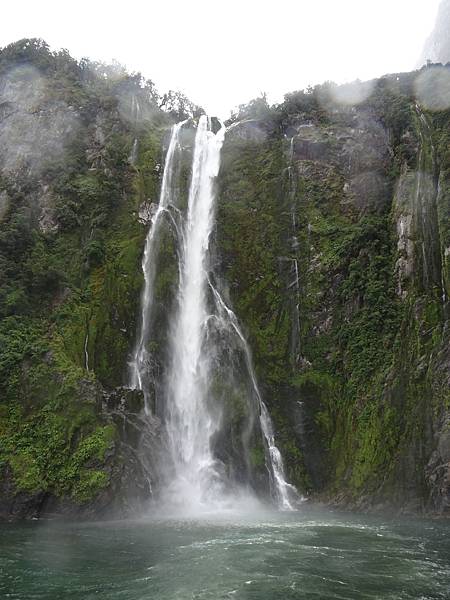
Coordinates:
<point>95,445</point>
<point>89,484</point>
<point>257,457</point>
<point>251,193</point>
<point>370,360</point>
<point>315,379</point>
<point>295,465</point>
<point>26,472</point>
<point>48,449</point>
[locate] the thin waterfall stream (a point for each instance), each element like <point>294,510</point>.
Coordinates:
<point>284,493</point>
<point>139,364</point>
<point>195,477</point>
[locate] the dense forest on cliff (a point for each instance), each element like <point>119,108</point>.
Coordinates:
<point>332,244</point>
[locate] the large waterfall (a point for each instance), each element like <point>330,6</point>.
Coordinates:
<point>190,423</point>
<point>208,361</point>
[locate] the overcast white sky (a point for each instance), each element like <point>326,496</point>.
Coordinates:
<point>224,52</point>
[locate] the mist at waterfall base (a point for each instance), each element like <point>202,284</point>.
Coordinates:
<point>206,351</point>
<point>267,556</point>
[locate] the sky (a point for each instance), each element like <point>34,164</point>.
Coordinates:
<point>222,53</point>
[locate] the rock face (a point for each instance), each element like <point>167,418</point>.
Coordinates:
<point>438,469</point>
<point>35,130</point>
<point>437,46</point>
<point>341,247</point>
<point>331,244</point>
<point>74,442</point>
<point>126,463</point>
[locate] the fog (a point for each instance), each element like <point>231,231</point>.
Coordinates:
<point>37,128</point>
<point>222,54</point>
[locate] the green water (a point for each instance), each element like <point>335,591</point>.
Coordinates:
<point>266,556</point>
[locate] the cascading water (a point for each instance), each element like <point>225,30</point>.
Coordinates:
<point>139,364</point>
<point>193,413</point>
<point>284,493</point>
<point>190,424</point>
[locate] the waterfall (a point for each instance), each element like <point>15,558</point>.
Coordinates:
<point>133,158</point>
<point>140,367</point>
<point>201,326</point>
<point>283,492</point>
<point>190,423</point>
<point>86,352</point>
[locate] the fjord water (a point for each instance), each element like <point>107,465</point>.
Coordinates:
<point>266,556</point>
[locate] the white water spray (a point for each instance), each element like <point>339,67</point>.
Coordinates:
<point>190,422</point>
<point>196,480</point>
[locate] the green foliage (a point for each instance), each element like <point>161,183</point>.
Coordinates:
<point>369,367</point>
<point>20,340</point>
<point>69,292</point>
<point>362,360</point>
<point>251,195</point>
<point>314,379</point>
<point>89,484</point>
<point>257,457</point>
<point>55,437</point>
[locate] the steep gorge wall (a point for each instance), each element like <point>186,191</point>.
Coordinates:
<point>81,147</point>
<point>331,245</point>
<point>354,354</point>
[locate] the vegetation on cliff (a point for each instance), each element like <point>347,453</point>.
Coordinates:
<point>74,209</point>
<point>343,241</point>
<point>332,244</point>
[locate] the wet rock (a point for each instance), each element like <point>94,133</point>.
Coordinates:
<point>370,191</point>
<point>437,471</point>
<point>251,130</point>
<point>146,212</point>
<point>47,221</point>
<point>124,399</point>
<point>307,149</point>
<point>4,203</point>
<point>34,129</point>
<point>14,505</point>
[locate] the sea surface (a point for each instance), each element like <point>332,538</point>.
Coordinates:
<point>259,556</point>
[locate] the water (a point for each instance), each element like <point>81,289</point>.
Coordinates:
<point>268,556</point>
<point>426,201</point>
<point>284,493</point>
<point>202,355</point>
<point>190,420</point>
<point>140,367</point>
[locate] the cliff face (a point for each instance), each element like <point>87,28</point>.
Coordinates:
<point>437,46</point>
<point>332,245</point>
<point>81,147</point>
<point>339,269</point>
